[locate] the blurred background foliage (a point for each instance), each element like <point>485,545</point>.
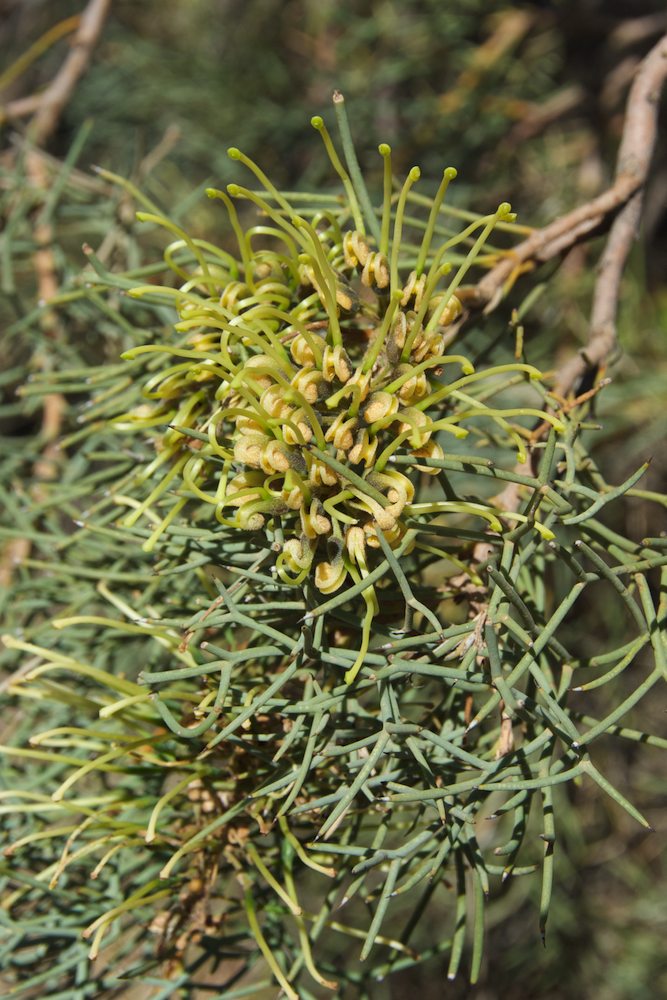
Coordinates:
<point>526,100</point>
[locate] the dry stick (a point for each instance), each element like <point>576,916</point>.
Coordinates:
<point>52,101</point>
<point>49,106</point>
<point>602,339</point>
<point>45,467</point>
<point>623,200</point>
<point>52,104</point>
<point>634,158</point>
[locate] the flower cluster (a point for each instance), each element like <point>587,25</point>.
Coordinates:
<point>311,364</point>
<point>313,430</point>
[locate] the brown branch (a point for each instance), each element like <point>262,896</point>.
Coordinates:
<point>624,200</point>
<point>59,91</point>
<point>634,159</point>
<point>602,339</point>
<point>48,106</point>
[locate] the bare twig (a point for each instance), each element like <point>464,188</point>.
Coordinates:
<point>634,158</point>
<point>54,406</point>
<point>535,118</point>
<point>637,29</point>
<point>164,147</point>
<point>48,105</point>
<point>602,341</point>
<point>622,203</point>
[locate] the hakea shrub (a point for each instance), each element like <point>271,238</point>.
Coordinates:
<point>316,646</point>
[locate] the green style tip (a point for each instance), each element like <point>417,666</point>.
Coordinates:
<point>384,149</point>
<point>450,173</point>
<point>234,153</point>
<point>317,122</point>
<point>414,174</point>
<point>504,209</point>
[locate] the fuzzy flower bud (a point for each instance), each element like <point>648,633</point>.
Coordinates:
<point>364,449</point>
<point>336,364</point>
<point>248,449</point>
<point>314,522</point>
<point>308,384</point>
<point>452,310</point>
<point>298,554</point>
<point>275,457</point>
<point>341,432</point>
<point>329,576</point>
<point>301,351</point>
<point>375,273</point>
<point>261,361</point>
<point>355,249</point>
<point>320,474</point>
<point>413,290</point>
<point>430,450</point>
<point>380,405</point>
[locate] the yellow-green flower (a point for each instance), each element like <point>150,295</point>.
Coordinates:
<point>311,362</point>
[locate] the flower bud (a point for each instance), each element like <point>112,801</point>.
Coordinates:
<point>384,517</point>
<point>336,364</point>
<point>346,297</point>
<point>308,384</point>
<point>414,388</point>
<point>275,457</point>
<point>396,338</point>
<point>293,498</point>
<point>392,535</point>
<point>233,295</point>
<point>376,271</point>
<point>261,378</point>
<point>301,351</point>
<point>314,522</point>
<point>452,310</point>
<point>341,432</point>
<point>429,345</point>
<point>417,423</point>
<point>246,425</point>
<point>297,554</point>
<point>306,275</point>
<point>248,449</point>
<point>355,543</point>
<point>413,290</point>
<point>379,405</point>
<point>273,403</point>
<point>399,488</point>
<point>301,432</point>
<point>364,449</point>
<point>329,576</point>
<point>320,474</point>
<point>430,450</point>
<point>250,519</point>
<point>355,249</point>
